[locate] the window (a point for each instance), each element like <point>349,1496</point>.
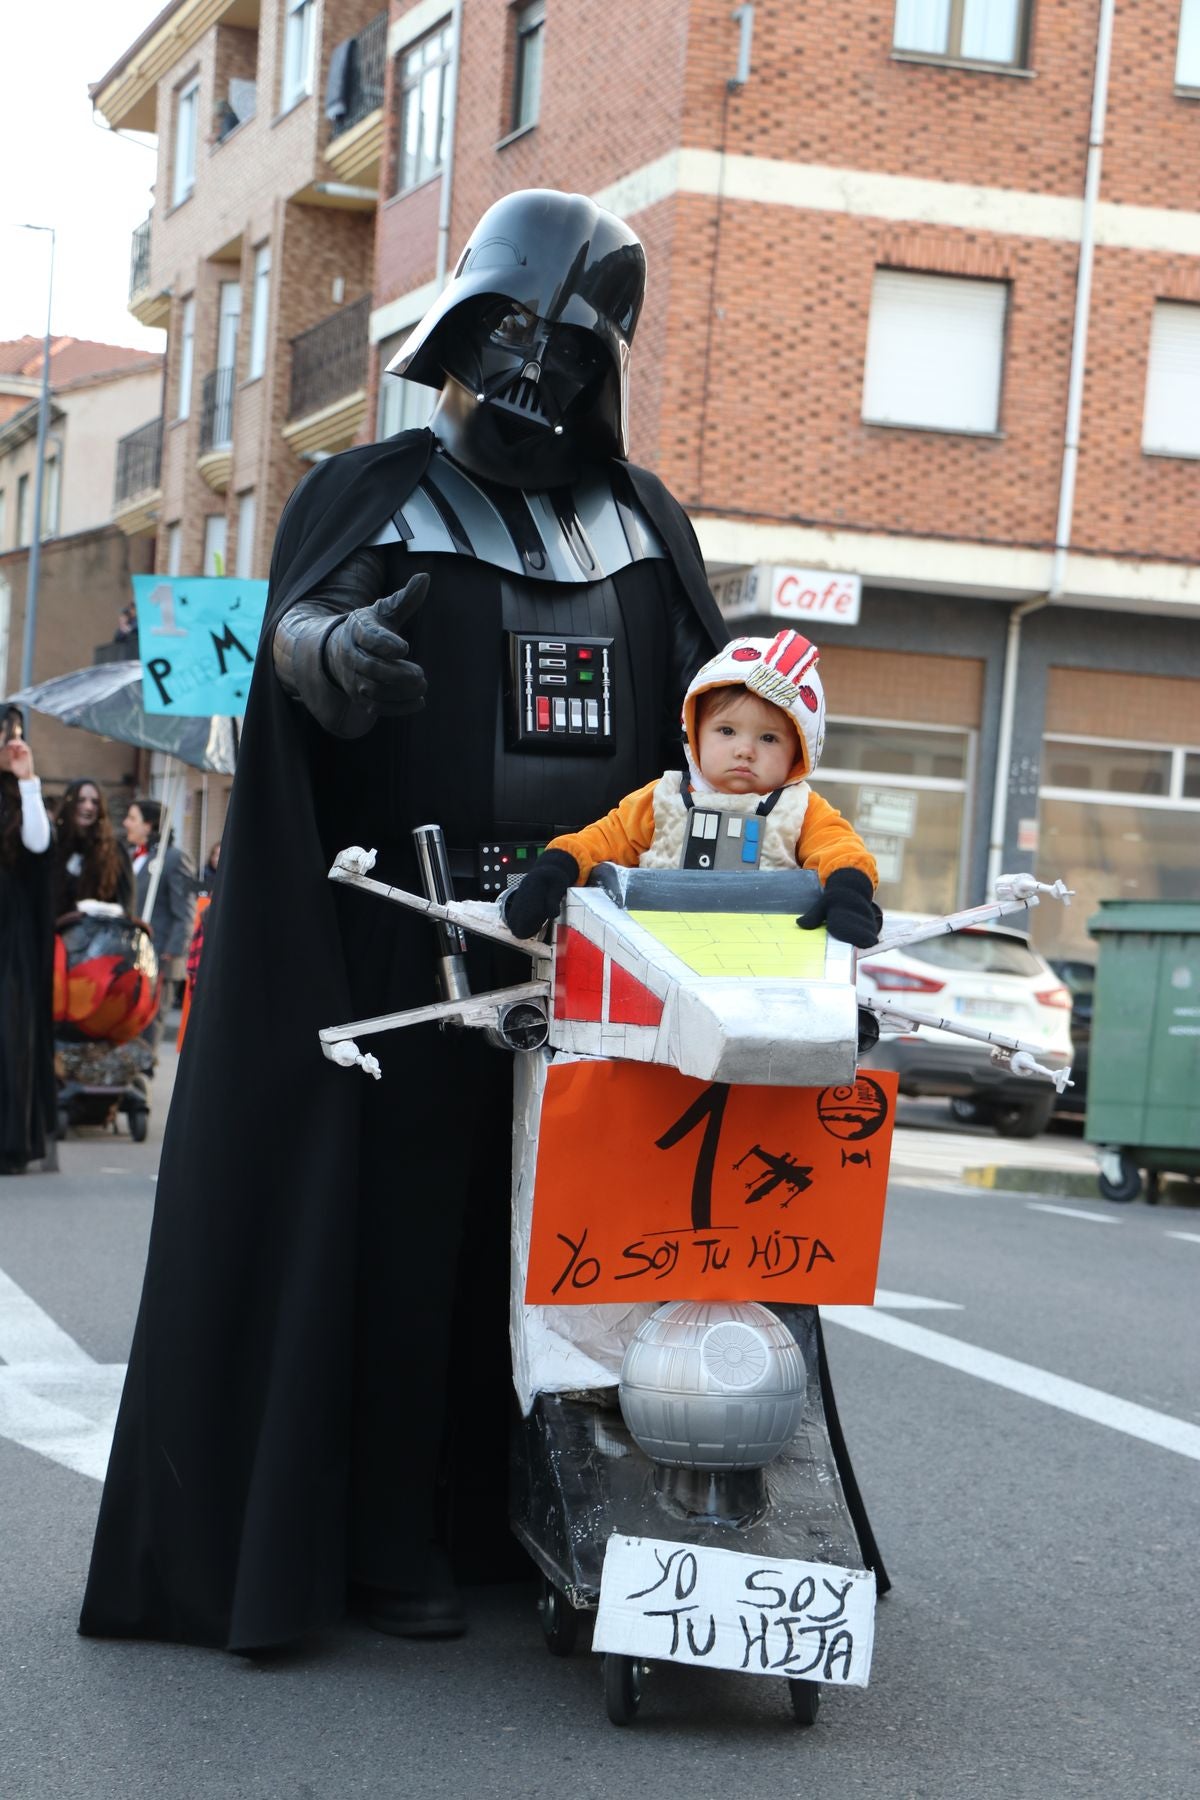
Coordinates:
<point>247,519</point>
<point>258,313</point>
<point>187,109</point>
<point>214,545</point>
<point>1187,56</point>
<point>527,67</point>
<point>1116,822</point>
<point>174,549</point>
<point>187,357</point>
<point>1171,422</point>
<point>229,318</point>
<point>23,533</point>
<point>935,352</point>
<point>297,52</point>
<point>403,405</point>
<point>985,31</point>
<point>423,75</point>
<point>51,495</point>
<point>906,789</point>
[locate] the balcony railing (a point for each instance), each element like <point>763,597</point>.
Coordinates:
<point>139,259</point>
<point>216,411</point>
<point>357,77</point>
<point>329,360</point>
<point>139,462</point>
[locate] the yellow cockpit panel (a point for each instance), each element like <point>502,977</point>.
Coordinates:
<point>748,944</point>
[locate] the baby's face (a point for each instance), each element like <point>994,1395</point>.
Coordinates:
<point>746,745</point>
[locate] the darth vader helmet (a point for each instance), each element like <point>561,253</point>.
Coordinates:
<point>529,341</point>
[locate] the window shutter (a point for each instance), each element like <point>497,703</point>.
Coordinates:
<point>1171,425</point>
<point>935,352</point>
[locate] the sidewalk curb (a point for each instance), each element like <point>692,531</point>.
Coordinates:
<point>1016,1179</point>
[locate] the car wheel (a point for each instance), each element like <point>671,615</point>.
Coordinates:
<point>1024,1118</point>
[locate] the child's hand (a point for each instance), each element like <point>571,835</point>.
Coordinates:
<point>536,899</point>
<point>846,909</point>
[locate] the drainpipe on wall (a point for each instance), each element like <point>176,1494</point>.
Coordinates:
<point>443,229</point>
<point>1070,461</point>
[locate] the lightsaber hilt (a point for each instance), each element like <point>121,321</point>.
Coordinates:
<point>436,884</point>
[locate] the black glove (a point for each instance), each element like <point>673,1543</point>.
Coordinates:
<point>367,658</point>
<point>846,910</point>
<point>537,897</point>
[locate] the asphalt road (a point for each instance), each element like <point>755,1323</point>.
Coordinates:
<point>1040,1640</point>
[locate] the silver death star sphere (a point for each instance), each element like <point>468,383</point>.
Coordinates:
<point>713,1385</point>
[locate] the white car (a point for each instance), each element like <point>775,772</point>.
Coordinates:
<point>987,977</point>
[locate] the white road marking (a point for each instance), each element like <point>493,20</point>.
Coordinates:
<point>1187,1237</point>
<point>913,1302</point>
<point>1074,1212</point>
<point>1023,1378</point>
<point>29,1335</point>
<point>54,1398</point>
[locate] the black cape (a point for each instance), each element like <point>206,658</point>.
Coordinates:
<point>223,1518</point>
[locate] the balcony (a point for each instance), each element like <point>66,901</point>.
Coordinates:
<point>356,117</point>
<point>329,381</point>
<point>145,304</point>
<point>137,492</point>
<point>215,461</point>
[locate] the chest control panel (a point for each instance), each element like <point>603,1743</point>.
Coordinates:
<point>561,693</point>
<point>501,866</point>
<point>721,840</point>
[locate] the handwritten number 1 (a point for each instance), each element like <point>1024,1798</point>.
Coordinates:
<point>710,1105</point>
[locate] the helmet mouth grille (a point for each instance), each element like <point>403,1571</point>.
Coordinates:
<point>520,396</point>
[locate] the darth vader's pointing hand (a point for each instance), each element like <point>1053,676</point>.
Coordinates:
<point>368,659</point>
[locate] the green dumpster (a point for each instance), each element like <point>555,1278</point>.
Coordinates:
<point>1143,1103</point>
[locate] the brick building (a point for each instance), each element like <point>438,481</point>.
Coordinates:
<point>97,393</point>
<point>895,340</point>
<point>256,257</point>
<point>856,360</point>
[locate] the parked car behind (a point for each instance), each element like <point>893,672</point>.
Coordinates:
<point>1078,974</point>
<point>989,977</point>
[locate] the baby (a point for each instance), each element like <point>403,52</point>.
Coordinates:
<point>754,726</point>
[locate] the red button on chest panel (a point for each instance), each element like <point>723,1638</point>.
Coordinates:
<point>578,976</point>
<point>629,1002</point>
<point>543,712</point>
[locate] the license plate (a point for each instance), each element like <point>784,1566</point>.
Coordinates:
<point>987,1009</point>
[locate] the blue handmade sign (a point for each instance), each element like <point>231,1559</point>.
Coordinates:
<point>197,637</point>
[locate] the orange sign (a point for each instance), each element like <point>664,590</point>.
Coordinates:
<point>653,1186</point>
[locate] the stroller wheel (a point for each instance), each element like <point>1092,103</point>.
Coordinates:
<point>806,1700</point>
<point>560,1621</point>
<point>622,1688</point>
<point>139,1120</point>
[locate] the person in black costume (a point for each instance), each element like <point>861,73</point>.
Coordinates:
<point>329,1255</point>
<point>27,1092</point>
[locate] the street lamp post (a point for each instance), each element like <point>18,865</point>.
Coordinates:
<point>35,545</point>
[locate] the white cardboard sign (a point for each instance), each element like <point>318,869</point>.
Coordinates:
<point>721,1609</point>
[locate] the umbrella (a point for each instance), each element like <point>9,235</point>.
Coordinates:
<point>107,699</point>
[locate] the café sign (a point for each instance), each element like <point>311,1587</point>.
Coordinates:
<point>806,597</point>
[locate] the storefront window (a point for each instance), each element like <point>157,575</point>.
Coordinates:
<point>904,788</point>
<point>1107,845</point>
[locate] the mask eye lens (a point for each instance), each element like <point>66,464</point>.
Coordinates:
<point>513,326</point>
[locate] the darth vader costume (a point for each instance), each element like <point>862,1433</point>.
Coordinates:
<point>317,1396</point>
